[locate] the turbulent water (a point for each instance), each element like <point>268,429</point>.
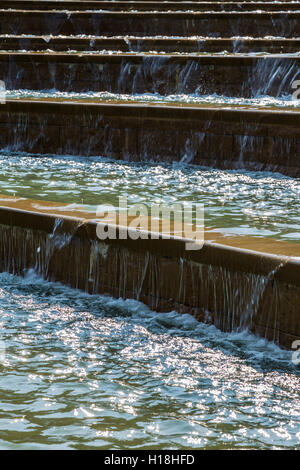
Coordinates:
<point>236,202</point>
<point>80,371</point>
<point>216,100</point>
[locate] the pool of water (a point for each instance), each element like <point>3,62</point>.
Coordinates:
<point>236,202</point>
<point>81,371</point>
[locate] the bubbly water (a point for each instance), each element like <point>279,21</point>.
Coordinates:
<point>236,202</point>
<point>220,100</point>
<point>81,371</point>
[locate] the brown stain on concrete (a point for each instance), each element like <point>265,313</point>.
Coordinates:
<point>263,245</point>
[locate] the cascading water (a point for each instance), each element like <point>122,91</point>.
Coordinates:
<point>178,90</point>
<point>231,300</point>
<point>249,76</point>
<point>276,74</point>
<point>111,374</point>
<point>239,306</point>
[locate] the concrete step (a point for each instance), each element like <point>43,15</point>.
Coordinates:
<point>212,136</point>
<point>219,280</point>
<point>240,76</point>
<point>148,6</point>
<point>135,44</point>
<point>220,24</point>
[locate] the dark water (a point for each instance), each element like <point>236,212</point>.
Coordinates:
<point>80,371</point>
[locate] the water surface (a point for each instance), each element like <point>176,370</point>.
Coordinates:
<point>85,371</point>
<point>236,202</point>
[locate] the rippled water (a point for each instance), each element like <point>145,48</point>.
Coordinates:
<point>220,100</point>
<point>85,371</point>
<point>236,202</point>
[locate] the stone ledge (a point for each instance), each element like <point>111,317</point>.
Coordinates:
<point>229,287</point>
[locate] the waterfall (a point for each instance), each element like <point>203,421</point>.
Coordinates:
<point>229,299</point>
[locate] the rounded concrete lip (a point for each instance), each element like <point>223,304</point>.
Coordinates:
<point>202,57</point>
<point>232,112</point>
<point>159,14</point>
<point>144,44</point>
<point>266,247</point>
<point>145,5</point>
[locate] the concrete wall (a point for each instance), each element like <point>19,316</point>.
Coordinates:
<point>216,137</point>
<point>219,24</point>
<point>230,76</point>
<point>229,287</point>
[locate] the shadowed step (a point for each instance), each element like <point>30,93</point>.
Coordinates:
<point>239,76</point>
<point>212,136</point>
<point>219,24</point>
<point>139,44</point>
